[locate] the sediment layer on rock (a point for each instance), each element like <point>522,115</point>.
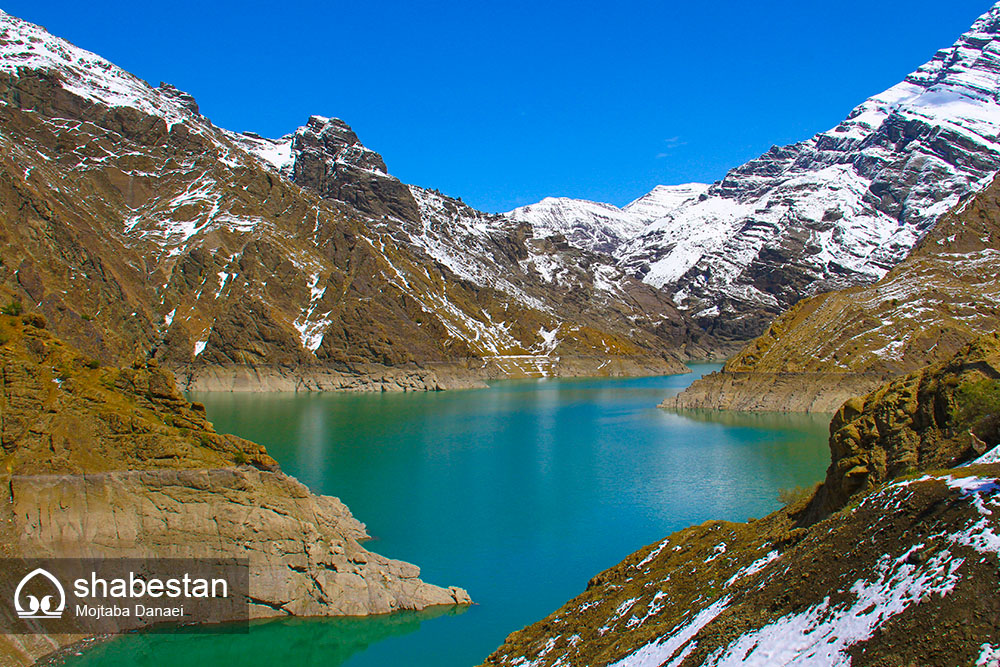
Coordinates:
<point>353,378</point>
<point>773,392</point>
<point>305,551</point>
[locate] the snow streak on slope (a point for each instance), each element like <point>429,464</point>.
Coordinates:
<point>275,154</point>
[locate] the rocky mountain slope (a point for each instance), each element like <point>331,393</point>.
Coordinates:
<point>104,462</point>
<point>836,210</point>
<point>839,344</point>
<point>893,561</point>
<point>140,228</point>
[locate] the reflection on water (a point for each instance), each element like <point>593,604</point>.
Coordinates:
<point>761,420</point>
<point>303,641</point>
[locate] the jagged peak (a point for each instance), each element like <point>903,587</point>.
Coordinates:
<point>183,98</point>
<point>336,142</point>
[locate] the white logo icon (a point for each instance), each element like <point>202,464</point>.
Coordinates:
<point>39,608</point>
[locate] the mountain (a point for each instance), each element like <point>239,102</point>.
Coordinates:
<point>837,210</point>
<point>892,561</point>
<point>139,228</point>
<point>839,344</point>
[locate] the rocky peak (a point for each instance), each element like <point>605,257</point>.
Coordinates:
<point>328,157</point>
<point>186,100</point>
<point>333,141</point>
<point>28,47</point>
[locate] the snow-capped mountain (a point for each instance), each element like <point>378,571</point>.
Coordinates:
<point>838,209</point>
<point>300,262</point>
<point>604,227</point>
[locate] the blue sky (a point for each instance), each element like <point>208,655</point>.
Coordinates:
<point>505,103</point>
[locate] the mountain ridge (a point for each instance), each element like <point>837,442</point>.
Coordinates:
<point>296,263</point>
<point>835,345</point>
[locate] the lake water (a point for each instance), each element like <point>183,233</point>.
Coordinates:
<point>519,493</point>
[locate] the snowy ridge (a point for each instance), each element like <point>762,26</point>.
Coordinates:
<point>585,224</point>
<point>663,200</point>
<point>847,204</point>
<point>599,227</point>
<point>25,45</point>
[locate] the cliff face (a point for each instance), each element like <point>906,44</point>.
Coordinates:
<point>139,228</point>
<point>872,569</point>
<point>107,462</point>
<point>841,344</point>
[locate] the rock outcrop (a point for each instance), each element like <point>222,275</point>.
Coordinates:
<point>330,159</point>
<point>916,422</point>
<point>305,551</point>
<point>872,569</point>
<point>111,463</point>
<point>836,345</point>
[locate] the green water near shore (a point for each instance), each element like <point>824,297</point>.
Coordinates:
<point>519,493</point>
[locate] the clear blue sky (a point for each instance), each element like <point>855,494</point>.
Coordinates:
<point>504,103</point>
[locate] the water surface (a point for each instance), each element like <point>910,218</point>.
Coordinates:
<point>519,493</point>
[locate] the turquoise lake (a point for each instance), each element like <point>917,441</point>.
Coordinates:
<point>519,493</point>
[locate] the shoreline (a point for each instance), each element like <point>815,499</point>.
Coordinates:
<point>431,376</point>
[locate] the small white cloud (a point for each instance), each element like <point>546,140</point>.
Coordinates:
<point>671,144</point>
